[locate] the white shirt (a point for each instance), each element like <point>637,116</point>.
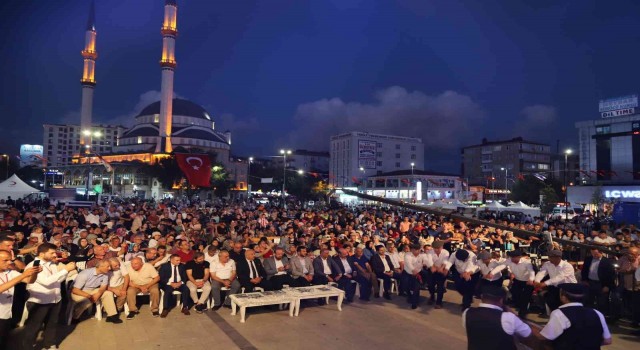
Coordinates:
<point>607,240</point>
<point>303,262</point>
<point>327,268</point>
<point>511,324</point>
<point>279,264</point>
<point>46,289</point>
<point>439,260</point>
<point>558,322</point>
<point>175,273</point>
<point>523,270</point>
<point>252,268</point>
<point>395,259</point>
<point>6,297</point>
<point>486,269</point>
<point>412,262</point>
<point>211,259</point>
<point>116,278</point>
<point>563,273</point>
<point>223,271</point>
<point>384,262</point>
<point>347,267</point>
<point>469,265</point>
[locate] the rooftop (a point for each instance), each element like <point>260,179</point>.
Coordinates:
<point>518,139</point>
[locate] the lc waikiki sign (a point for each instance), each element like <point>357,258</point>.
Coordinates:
<point>622,194</point>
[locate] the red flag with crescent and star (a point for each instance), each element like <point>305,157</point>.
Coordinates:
<point>196,167</point>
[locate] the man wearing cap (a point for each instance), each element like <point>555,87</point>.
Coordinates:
<point>522,280</point>
<point>574,326</point>
<point>559,271</point>
<point>437,275</point>
<point>490,326</point>
<point>465,281</point>
<point>490,270</point>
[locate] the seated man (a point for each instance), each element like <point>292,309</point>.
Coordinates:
<point>251,274</point>
<point>99,253</point>
<point>325,269</point>
<point>301,268</point>
<point>223,275</point>
<point>173,277</point>
<point>277,268</point>
<point>347,273</point>
<point>118,282</point>
<point>198,275</point>
<point>90,286</point>
<point>383,268</point>
<point>143,278</point>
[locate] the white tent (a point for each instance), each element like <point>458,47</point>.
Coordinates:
<point>493,206</point>
<point>525,209</point>
<point>519,205</point>
<point>15,188</point>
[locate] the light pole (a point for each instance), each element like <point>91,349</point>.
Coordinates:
<point>248,178</point>
<point>6,157</point>
<point>506,176</point>
<point>284,153</point>
<point>412,166</point>
<point>566,188</point>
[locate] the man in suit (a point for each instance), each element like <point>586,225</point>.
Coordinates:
<point>383,268</point>
<point>301,268</point>
<point>347,274</point>
<point>599,274</point>
<point>278,269</point>
<point>251,273</point>
<point>173,277</point>
<point>325,269</point>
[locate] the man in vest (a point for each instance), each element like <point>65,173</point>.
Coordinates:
<point>490,326</point>
<point>574,326</point>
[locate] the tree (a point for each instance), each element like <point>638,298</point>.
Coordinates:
<point>220,181</point>
<point>549,199</point>
<point>598,198</point>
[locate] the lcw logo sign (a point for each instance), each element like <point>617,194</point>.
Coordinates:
<point>622,194</point>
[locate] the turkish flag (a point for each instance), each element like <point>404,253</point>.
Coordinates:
<point>196,167</point>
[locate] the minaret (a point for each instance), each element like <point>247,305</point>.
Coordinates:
<point>88,80</point>
<point>168,63</point>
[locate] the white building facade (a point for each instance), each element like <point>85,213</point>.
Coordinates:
<point>61,142</point>
<point>357,155</point>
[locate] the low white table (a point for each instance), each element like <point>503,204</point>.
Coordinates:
<point>315,292</point>
<point>260,299</point>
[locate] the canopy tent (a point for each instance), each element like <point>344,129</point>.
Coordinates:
<point>524,209</point>
<point>493,206</point>
<point>15,188</point>
<point>520,205</point>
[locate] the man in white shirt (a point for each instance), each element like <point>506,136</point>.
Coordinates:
<point>490,270</point>
<point>8,279</point>
<point>559,271</point>
<point>604,239</point>
<point>211,255</point>
<point>490,326</point>
<point>223,275</point>
<point>413,264</point>
<point>522,278</point>
<point>118,282</point>
<point>574,326</point>
<point>467,276</point>
<point>45,299</point>
<point>437,273</point>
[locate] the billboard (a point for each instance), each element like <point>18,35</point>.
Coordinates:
<point>367,151</point>
<point>31,155</point>
<point>614,107</point>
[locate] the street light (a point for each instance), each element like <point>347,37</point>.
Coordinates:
<point>567,152</point>
<point>248,177</point>
<point>300,172</point>
<point>6,157</point>
<point>506,176</point>
<point>284,153</point>
<point>412,166</point>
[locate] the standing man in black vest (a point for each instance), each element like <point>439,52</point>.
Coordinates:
<point>574,326</point>
<point>489,326</point>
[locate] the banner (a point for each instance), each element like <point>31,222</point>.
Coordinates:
<point>196,167</point>
<point>266,180</point>
<point>367,151</point>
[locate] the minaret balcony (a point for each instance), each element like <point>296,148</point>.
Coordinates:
<point>169,31</point>
<point>88,82</point>
<point>166,63</point>
<point>89,54</point>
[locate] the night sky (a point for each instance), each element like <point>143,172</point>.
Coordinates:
<point>290,73</point>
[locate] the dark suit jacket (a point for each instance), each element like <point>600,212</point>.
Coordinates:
<point>166,271</point>
<point>244,272</point>
<point>377,266</point>
<point>340,265</point>
<point>606,271</point>
<point>318,267</point>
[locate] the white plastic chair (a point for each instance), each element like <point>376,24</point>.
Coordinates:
<point>178,302</point>
<point>394,286</point>
<point>209,302</point>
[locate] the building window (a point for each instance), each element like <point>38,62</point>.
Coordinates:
<point>397,146</point>
<point>397,164</point>
<point>379,144</point>
<point>413,156</point>
<point>379,154</point>
<point>139,139</point>
<point>605,129</point>
<point>413,148</point>
<point>156,118</point>
<point>497,148</point>
<point>378,163</point>
<point>397,155</point>
<point>543,166</point>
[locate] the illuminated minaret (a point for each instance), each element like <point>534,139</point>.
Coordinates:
<point>88,81</point>
<point>168,63</point>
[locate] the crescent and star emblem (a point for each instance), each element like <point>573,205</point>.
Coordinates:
<point>194,166</point>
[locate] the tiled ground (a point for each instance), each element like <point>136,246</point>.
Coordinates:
<point>376,325</point>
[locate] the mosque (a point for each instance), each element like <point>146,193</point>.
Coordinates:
<point>166,126</point>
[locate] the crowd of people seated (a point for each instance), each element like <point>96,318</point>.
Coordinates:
<point>57,263</point>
